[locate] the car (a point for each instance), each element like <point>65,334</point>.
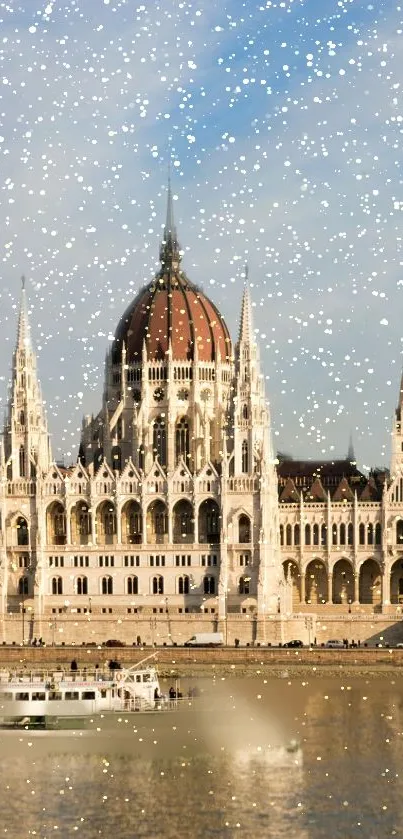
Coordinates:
<point>399,644</point>
<point>113,642</point>
<point>295,643</point>
<point>334,643</point>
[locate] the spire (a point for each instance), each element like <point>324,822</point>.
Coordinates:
<point>23,330</point>
<point>169,251</point>
<point>245,328</point>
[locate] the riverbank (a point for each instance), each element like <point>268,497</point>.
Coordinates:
<point>224,662</point>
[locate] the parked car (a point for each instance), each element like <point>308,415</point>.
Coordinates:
<point>295,643</point>
<point>113,642</point>
<point>399,644</point>
<point>334,642</point>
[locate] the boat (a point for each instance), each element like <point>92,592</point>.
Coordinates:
<point>61,698</point>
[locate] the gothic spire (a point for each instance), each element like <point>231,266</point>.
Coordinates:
<point>23,330</point>
<point>169,251</point>
<point>245,328</point>
<point>350,453</point>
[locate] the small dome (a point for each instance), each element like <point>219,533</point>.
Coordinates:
<point>171,307</point>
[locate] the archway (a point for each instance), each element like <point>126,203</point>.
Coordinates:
<point>22,531</point>
<point>343,582</point>
<point>56,524</point>
<point>209,521</point>
<point>370,583</point>
<point>396,582</point>
<point>293,577</point>
<point>132,523</point>
<point>80,524</point>
<point>106,523</point>
<point>316,582</point>
<point>157,523</point>
<point>183,522</point>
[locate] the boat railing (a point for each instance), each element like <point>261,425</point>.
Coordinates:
<point>57,676</point>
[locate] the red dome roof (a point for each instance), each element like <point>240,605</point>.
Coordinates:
<point>171,307</point>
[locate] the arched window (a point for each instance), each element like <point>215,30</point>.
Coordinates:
<point>307,534</point>
<point>84,522</point>
<point>22,418</point>
<point>82,585</point>
<point>109,518</point>
<point>288,535</point>
<point>244,529</point>
<point>370,534</point>
<point>158,585</point>
<point>132,585</point>
<point>350,534</point>
<point>334,534</point>
<point>141,457</point>
<point>399,531</point>
<point>22,463</point>
<point>183,585</point>
<point>116,459</point>
<point>57,585</point>
<point>107,585</point>
<point>281,534</point>
<point>245,412</point>
<point>22,531</point>
<point>23,586</point>
<point>342,534</point>
<point>98,458</point>
<point>160,441</point>
<point>323,535</point>
<point>182,440</point>
<point>316,534</point>
<point>209,585</point>
<point>245,457</point>
<point>296,534</point>
<point>378,534</point>
<point>244,585</point>
<point>361,531</point>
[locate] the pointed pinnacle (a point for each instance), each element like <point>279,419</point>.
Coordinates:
<point>170,229</point>
<point>245,328</point>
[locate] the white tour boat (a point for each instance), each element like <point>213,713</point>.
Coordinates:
<point>49,699</point>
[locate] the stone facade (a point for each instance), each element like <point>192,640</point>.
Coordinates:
<point>174,513</point>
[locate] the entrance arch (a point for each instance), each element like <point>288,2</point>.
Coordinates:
<point>316,582</point>
<point>396,581</point>
<point>291,573</point>
<point>343,582</point>
<point>370,587</point>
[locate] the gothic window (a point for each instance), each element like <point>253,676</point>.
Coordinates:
<point>132,585</point>
<point>183,585</point>
<point>342,534</point>
<point>182,440</point>
<point>158,585</point>
<point>82,585</point>
<point>107,585</point>
<point>109,521</point>
<point>59,524</point>
<point>378,534</point>
<point>316,534</point>
<point>22,418</point>
<point>57,585</point>
<point>116,459</point>
<point>135,524</point>
<point>244,585</point>
<point>209,585</point>
<point>141,457</point>
<point>288,534</point>
<point>22,531</point>
<point>244,529</point>
<point>213,523</point>
<point>334,534</point>
<point>159,441</point>
<point>361,532</point>
<point>245,457</point>
<point>23,586</point>
<point>98,458</point>
<point>370,534</point>
<point>281,534</point>
<point>245,412</point>
<point>22,462</point>
<point>323,535</point>
<point>307,534</point>
<point>84,528</point>
<point>350,534</point>
<point>161,522</point>
<point>296,534</point>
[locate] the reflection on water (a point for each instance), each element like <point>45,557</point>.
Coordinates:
<point>221,770</point>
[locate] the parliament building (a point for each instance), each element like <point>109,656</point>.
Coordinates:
<point>178,516</point>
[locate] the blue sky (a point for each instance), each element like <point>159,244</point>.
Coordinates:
<point>282,122</point>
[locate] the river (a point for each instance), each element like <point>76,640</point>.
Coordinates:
<point>221,768</point>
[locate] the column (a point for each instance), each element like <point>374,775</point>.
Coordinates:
<point>329,588</point>
<point>302,587</point>
<point>68,527</point>
<point>118,524</point>
<point>356,587</point>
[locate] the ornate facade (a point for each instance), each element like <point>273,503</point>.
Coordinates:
<point>175,506</point>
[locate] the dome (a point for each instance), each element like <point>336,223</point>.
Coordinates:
<point>171,308</point>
